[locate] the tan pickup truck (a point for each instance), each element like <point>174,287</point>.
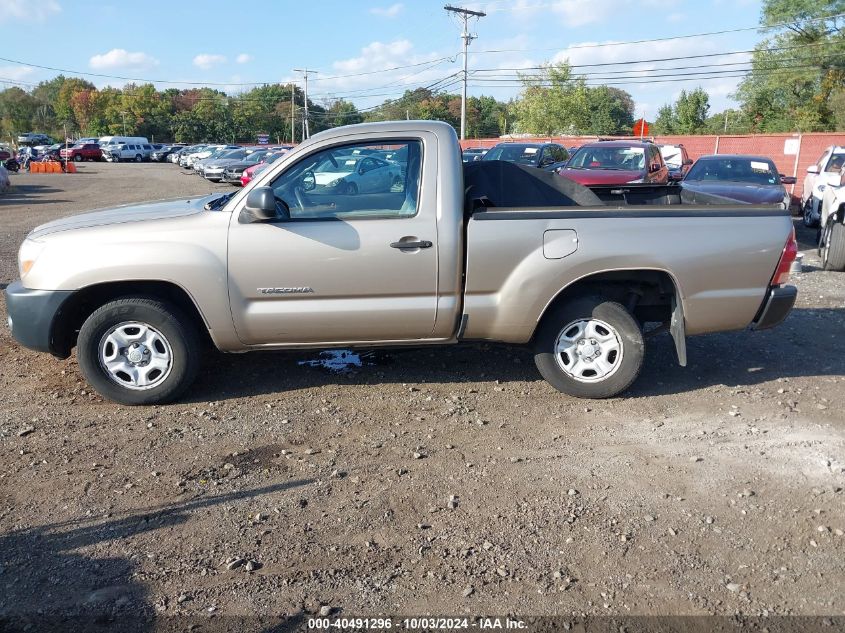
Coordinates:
<point>377,235</point>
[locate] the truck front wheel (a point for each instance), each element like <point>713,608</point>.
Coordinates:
<point>590,347</point>
<point>138,351</point>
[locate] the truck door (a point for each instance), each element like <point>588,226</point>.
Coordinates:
<point>346,264</point>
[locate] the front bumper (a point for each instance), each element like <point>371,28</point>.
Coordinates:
<point>231,176</point>
<point>32,314</point>
<point>776,307</point>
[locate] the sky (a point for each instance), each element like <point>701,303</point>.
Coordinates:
<point>367,51</point>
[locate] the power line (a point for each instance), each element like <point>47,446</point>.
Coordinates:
<point>208,83</point>
<point>664,39</point>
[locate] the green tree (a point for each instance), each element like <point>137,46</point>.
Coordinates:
<point>691,110</point>
<point>798,72</point>
<point>17,112</point>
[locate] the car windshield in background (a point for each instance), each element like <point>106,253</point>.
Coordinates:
<point>750,170</point>
<point>522,154</point>
<point>232,153</point>
<point>620,158</point>
<point>338,164</point>
<point>835,163</point>
<point>672,156</point>
<point>255,157</point>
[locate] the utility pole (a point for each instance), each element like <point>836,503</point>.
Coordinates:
<point>292,113</point>
<point>123,116</point>
<point>467,38</point>
<point>306,130</point>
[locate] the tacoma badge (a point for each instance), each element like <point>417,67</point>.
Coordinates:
<point>286,291</point>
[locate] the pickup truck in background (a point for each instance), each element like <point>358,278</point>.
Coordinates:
<point>490,251</point>
<point>82,151</point>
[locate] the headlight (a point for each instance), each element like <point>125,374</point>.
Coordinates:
<point>27,255</point>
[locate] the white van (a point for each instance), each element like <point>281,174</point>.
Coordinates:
<point>117,148</point>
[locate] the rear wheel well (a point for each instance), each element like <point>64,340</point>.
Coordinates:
<point>650,295</point>
<point>82,303</point>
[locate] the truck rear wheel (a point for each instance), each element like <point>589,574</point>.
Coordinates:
<point>138,351</point>
<point>590,347</point>
<point>833,246</point>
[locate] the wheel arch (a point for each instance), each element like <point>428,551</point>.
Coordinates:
<point>650,294</point>
<point>82,303</point>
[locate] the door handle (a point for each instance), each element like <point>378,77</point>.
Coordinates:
<point>409,245</point>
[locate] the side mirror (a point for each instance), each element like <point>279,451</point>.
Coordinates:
<point>260,206</point>
<point>787,180</point>
<point>309,181</point>
<point>688,161</point>
<point>676,176</point>
<point>813,169</point>
<point>547,160</point>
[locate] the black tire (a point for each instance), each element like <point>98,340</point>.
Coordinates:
<point>806,215</point>
<point>138,158</point>
<point>560,320</point>
<point>350,189</point>
<point>176,328</point>
<point>833,251</point>
<point>78,158</point>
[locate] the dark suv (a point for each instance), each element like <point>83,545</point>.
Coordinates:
<point>617,163</point>
<point>548,156</point>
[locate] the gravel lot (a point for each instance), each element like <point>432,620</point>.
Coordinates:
<point>450,481</point>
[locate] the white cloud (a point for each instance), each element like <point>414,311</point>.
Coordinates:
<point>676,17</point>
<point>121,58</point>
<point>208,60</point>
<point>15,73</point>
<point>28,10</point>
<point>244,58</point>
<point>388,12</point>
<point>373,81</point>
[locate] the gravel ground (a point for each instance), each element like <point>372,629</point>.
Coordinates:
<point>445,481</point>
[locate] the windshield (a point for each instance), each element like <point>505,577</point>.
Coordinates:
<point>756,171</point>
<point>522,154</point>
<point>671,156</point>
<point>835,163</point>
<point>338,164</point>
<point>613,158</point>
<point>232,153</point>
<point>255,157</point>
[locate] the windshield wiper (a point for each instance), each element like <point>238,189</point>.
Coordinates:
<point>218,202</point>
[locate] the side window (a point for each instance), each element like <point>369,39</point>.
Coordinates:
<point>148,147</point>
<point>835,163</point>
<point>330,183</point>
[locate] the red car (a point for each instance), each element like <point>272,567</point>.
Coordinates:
<point>617,163</point>
<point>82,151</point>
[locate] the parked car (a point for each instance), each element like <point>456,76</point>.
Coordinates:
<point>751,179</point>
<point>163,153</point>
<point>352,174</point>
<point>212,168</point>
<point>677,160</point>
<point>233,172</point>
<point>82,151</point>
<point>6,152</point>
<point>548,156</point>
<point>203,153</point>
<point>251,172</point>
<point>832,225</point>
<point>87,139</point>
<point>275,266</point>
<point>176,156</point>
<point>53,151</point>
<point>198,164</point>
<point>616,163</point>
<point>472,154</point>
<point>823,172</point>
<point>34,138</point>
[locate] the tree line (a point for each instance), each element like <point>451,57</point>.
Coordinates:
<point>796,84</point>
